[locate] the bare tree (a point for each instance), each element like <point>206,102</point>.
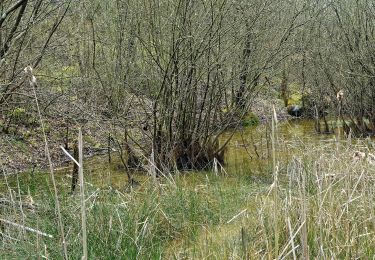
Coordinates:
<point>23,42</point>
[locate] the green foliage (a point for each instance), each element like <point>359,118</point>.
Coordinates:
<point>59,77</point>
<point>47,128</point>
<point>18,114</point>
<point>21,116</point>
<point>295,99</point>
<point>250,120</point>
<point>294,94</point>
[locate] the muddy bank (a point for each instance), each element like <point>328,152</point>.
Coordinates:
<point>24,150</point>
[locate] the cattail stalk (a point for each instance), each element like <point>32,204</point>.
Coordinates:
<point>82,191</point>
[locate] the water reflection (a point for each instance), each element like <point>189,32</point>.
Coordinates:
<point>248,153</point>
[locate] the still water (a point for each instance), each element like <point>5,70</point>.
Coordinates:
<point>249,152</point>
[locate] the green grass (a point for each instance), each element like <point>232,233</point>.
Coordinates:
<point>323,196</point>
<point>325,209</point>
<point>141,224</point>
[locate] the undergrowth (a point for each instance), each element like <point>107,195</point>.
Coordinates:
<point>321,206</point>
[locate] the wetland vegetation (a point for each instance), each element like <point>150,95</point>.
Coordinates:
<point>183,129</point>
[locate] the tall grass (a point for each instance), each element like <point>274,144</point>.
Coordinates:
<point>33,85</point>
<point>325,209</point>
<point>145,224</point>
<point>321,204</point>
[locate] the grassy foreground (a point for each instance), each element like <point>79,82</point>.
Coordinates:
<point>321,205</point>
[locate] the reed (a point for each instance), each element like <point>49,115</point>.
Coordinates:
<point>33,85</point>
<point>320,205</point>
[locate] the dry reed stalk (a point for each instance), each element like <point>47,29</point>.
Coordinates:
<point>25,228</point>
<point>154,169</point>
<point>7,184</point>
<point>37,239</point>
<point>236,216</point>
<point>82,191</point>
<point>291,238</point>
<point>20,203</point>
<point>215,169</point>
<point>275,182</point>
<point>261,215</point>
<point>320,199</point>
<point>33,85</point>
<point>288,209</point>
<point>305,247</point>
